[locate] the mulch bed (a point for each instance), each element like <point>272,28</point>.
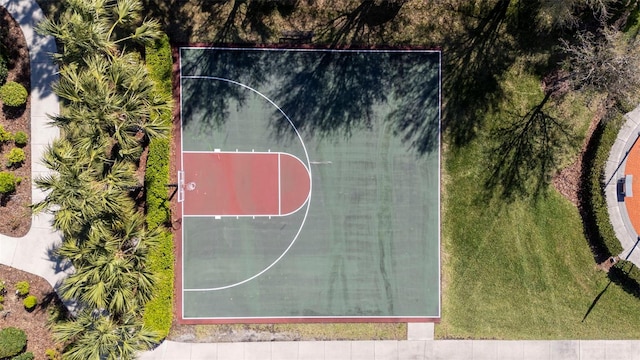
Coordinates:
<point>15,215</point>
<point>33,323</point>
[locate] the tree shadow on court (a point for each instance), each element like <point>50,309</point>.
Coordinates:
<point>333,94</point>
<point>366,24</point>
<point>210,100</point>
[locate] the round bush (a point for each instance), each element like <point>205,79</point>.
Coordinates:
<point>13,94</point>
<point>30,302</point>
<point>24,356</point>
<point>12,341</point>
<point>52,354</point>
<point>5,135</point>
<point>8,182</point>
<point>15,157</point>
<point>20,138</point>
<point>22,288</point>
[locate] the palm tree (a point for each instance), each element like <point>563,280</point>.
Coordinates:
<point>112,105</point>
<point>93,335</point>
<point>81,191</point>
<point>111,267</point>
<point>98,27</point>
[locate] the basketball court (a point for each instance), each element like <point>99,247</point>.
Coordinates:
<point>308,185</point>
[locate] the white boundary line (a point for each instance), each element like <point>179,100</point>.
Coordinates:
<point>313,317</point>
<point>280,188</point>
<point>439,182</point>
<point>313,50</point>
<point>308,202</point>
<point>181,166</point>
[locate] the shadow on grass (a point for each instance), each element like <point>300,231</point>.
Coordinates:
<point>476,59</point>
<point>525,153</point>
<point>227,21</point>
<point>364,25</point>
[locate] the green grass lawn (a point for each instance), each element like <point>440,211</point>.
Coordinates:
<point>522,268</point>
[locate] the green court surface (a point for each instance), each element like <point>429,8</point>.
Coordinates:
<point>366,244</point>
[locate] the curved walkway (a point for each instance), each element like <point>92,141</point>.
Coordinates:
<point>31,253</point>
<point>615,170</point>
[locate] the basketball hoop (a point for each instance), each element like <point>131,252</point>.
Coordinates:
<point>191,186</point>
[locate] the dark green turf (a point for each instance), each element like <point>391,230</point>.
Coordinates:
<point>369,246</point>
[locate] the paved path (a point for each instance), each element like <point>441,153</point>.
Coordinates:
<point>401,350</point>
<point>614,170</point>
<point>30,253</point>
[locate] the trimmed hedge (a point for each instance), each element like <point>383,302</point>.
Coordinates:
<point>12,341</point>
<point>158,313</point>
<point>605,135</point>
<point>13,94</point>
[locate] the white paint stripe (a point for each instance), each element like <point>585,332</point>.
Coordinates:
<point>181,166</point>
<point>311,50</point>
<point>279,188</point>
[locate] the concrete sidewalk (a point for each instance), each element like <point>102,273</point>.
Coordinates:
<point>32,252</point>
<point>401,350</point>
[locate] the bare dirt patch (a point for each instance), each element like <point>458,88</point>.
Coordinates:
<point>34,323</point>
<point>15,215</point>
<point>567,181</point>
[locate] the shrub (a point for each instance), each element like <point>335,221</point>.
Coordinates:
<point>13,94</point>
<point>24,356</point>
<point>160,63</point>
<point>1,307</point>
<point>15,157</point>
<point>20,139</point>
<point>5,135</point>
<point>30,302</point>
<point>52,354</point>
<point>1,298</point>
<point>22,288</point>
<point>158,313</point>
<point>603,235</point>
<point>12,341</point>
<point>4,70</point>
<point>8,182</point>
<point>2,287</point>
